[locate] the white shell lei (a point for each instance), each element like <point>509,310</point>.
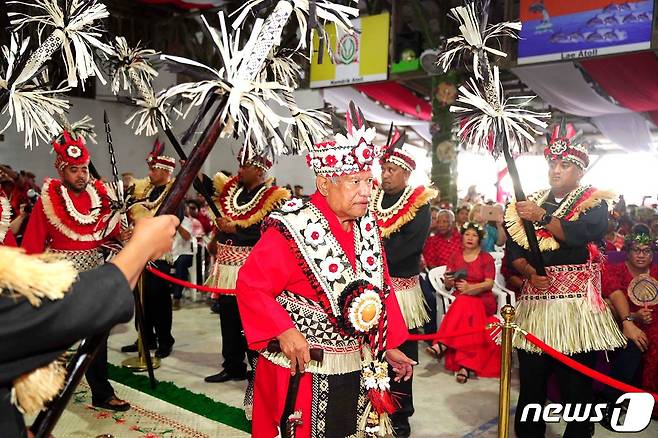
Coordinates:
<point>5,218</point>
<point>83,219</point>
<point>386,213</point>
<point>238,209</point>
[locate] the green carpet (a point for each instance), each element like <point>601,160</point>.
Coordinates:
<point>184,398</point>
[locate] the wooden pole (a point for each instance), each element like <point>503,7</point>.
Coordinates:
<point>537,260</point>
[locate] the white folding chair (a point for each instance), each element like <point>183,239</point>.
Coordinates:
<point>435,276</point>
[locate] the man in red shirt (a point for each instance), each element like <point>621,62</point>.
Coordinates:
<point>443,242</point>
<point>317,278</point>
<point>73,218</point>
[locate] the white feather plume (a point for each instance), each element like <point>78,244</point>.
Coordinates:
<point>75,33</point>
<point>30,106</point>
<point>247,111</point>
<point>473,40</point>
<point>130,67</point>
<point>327,12</point>
<point>486,113</point>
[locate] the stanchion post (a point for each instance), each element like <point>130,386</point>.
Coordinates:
<point>141,362</point>
<point>507,313</point>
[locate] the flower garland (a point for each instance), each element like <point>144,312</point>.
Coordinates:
<point>391,219</point>
<point>633,239</point>
<point>59,215</point>
<point>577,202</point>
<point>266,199</point>
<point>5,216</point>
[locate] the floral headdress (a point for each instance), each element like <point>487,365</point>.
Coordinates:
<point>349,152</point>
<point>565,144</point>
<point>396,153</point>
<point>634,239</point>
<point>247,156</point>
<point>71,151</point>
<point>472,226</point>
<point>159,161</point>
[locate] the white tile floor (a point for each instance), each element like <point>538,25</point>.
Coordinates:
<point>444,408</point>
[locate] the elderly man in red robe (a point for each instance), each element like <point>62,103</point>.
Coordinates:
<point>317,279</point>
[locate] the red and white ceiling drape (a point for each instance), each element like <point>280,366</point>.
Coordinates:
<point>630,80</point>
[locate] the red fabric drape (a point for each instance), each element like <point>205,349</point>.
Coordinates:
<point>398,97</point>
<point>630,79</point>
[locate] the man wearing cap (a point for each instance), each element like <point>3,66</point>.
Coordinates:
<point>244,200</point>
<point>73,219</point>
<point>148,194</point>
<point>404,217</point>
<point>563,308</point>
<point>317,279</point>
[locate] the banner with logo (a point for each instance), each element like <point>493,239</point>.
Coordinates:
<point>555,30</point>
<point>355,58</point>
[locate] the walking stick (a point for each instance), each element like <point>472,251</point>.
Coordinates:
<point>290,418</point>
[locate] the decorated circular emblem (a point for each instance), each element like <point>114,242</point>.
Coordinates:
<point>347,49</point>
<point>364,153</point>
<point>368,260</point>
<point>73,151</point>
<point>314,235</point>
<point>367,225</point>
<point>365,310</point>
<point>331,267</point>
<point>558,147</point>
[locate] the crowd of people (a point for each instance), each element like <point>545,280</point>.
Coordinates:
<point>479,246</point>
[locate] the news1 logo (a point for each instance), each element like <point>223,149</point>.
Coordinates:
<point>638,413</point>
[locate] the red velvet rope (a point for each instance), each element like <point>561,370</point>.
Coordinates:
<point>208,289</point>
<point>198,287</point>
<point>582,368</point>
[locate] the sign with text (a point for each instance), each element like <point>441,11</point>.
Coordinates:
<point>555,30</point>
<point>355,58</point>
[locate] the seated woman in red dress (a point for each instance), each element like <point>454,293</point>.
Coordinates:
<point>638,323</point>
<point>471,272</point>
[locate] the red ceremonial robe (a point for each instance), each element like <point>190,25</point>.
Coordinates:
<point>270,269</point>
<point>58,230</point>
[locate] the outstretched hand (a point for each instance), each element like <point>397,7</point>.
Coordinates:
<point>402,365</point>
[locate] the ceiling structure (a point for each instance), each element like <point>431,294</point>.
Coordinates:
<point>173,26</point>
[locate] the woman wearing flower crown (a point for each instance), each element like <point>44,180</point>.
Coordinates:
<point>637,322</point>
<point>471,272</point>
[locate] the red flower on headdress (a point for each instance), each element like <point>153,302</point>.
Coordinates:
<point>330,160</point>
<point>70,151</point>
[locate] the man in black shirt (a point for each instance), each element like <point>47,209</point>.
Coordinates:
<point>150,192</point>
<point>244,201</point>
<point>563,308</point>
<point>404,217</point>
<point>42,296</point>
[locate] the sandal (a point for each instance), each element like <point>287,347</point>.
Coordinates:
<point>113,404</point>
<point>462,376</point>
<point>437,351</point>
